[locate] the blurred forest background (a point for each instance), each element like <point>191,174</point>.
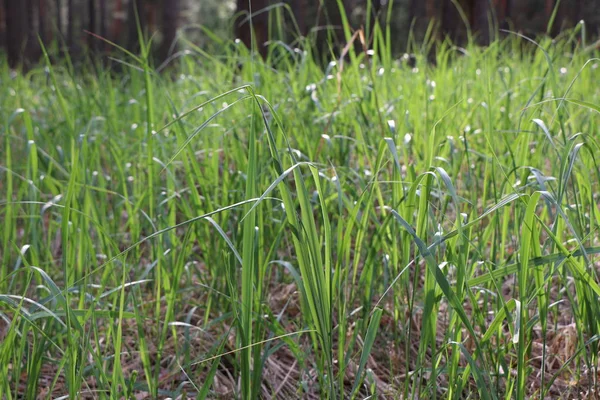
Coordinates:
<point>66,23</point>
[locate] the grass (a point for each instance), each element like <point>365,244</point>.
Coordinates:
<point>232,228</point>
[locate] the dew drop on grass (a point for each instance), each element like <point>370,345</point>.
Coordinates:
<point>392,125</point>
<point>465,217</point>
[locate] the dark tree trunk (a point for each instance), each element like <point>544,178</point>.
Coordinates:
<point>117,25</point>
<point>32,47</point>
<point>16,30</point>
<point>170,14</point>
<point>260,24</point>
<point>136,7</point>
<point>329,21</point>
<point>372,19</point>
<point>2,26</point>
<point>299,8</point>
<point>103,18</point>
<point>70,23</point>
<point>93,42</point>
<point>481,24</point>
<point>417,18</point>
<point>503,9</point>
<point>450,21</point>
<point>433,9</point>
<point>578,10</point>
<point>416,10</point>
<point>42,20</point>
<point>59,18</point>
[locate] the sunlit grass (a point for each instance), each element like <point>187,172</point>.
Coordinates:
<point>233,227</point>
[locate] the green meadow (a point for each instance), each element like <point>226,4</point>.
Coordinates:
<point>225,226</point>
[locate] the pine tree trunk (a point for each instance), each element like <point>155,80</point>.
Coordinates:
<point>259,30</point>
<point>93,42</point>
<point>59,18</point>
<point>299,8</point>
<point>16,30</point>
<point>136,7</point>
<point>170,16</point>
<point>70,23</point>
<point>103,18</point>
<point>42,21</point>
<point>481,23</point>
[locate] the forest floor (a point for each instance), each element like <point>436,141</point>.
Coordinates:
<point>234,228</point>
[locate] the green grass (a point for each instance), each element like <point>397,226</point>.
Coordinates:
<point>363,230</point>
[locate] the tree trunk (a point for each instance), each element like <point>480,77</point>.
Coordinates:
<point>70,25</point>
<point>450,18</point>
<point>16,30</point>
<point>42,20</point>
<point>299,8</point>
<point>417,19</point>
<point>103,18</point>
<point>578,10</point>
<point>118,17</point>
<point>372,19</point>
<point>330,29</point>
<point>136,7</point>
<point>59,18</point>
<point>32,47</point>
<point>93,42</point>
<point>170,14</point>
<point>503,8</point>
<point>2,26</point>
<point>481,23</point>
<point>259,21</point>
